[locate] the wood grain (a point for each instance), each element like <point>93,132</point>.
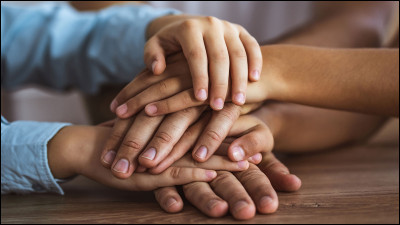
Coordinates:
<point>356,184</point>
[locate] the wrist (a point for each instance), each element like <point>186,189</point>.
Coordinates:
<point>275,65</point>
<point>60,153</point>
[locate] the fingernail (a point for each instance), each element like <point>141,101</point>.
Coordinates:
<point>109,157</point>
<point>256,158</point>
<point>239,206</point>
<point>122,109</point>
<point>238,153</point>
<point>285,172</point>
<point>202,95</point>
<point>170,202</point>
<point>243,164</point>
<point>150,153</point>
<point>201,152</point>
<point>255,74</point>
<point>121,166</point>
<point>218,103</point>
<point>240,98</point>
<point>211,204</point>
<point>113,105</point>
<point>151,109</point>
<point>264,201</point>
<point>153,66</point>
<point>211,174</point>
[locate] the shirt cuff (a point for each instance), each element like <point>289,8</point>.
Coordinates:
<point>24,164</point>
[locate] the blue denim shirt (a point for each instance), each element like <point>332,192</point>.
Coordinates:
<point>53,45</point>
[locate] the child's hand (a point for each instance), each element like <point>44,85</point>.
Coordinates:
<point>170,92</point>
<point>216,50</point>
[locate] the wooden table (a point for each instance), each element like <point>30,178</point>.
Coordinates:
<point>356,184</point>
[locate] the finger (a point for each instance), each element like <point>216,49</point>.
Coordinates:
<point>186,142</point>
<point>231,190</point>
<point>215,132</point>
<point>173,176</point>
<point>155,92</point>
<point>258,139</point>
<point>255,159</point>
<point>279,174</point>
<point>169,200</point>
<point>213,163</point>
<point>259,188</point>
<point>136,138</point>
<point>191,40</point>
<point>141,169</point>
<point>218,61</point>
<point>114,140</point>
<point>238,64</point>
<point>140,83</point>
<point>202,197</point>
<point>253,52</point>
<point>109,123</point>
<point>154,56</point>
<point>167,135</point>
<point>178,102</point>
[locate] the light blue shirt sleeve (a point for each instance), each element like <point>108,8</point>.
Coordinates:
<point>55,46</point>
<point>24,166</point>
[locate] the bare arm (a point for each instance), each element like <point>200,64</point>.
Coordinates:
<point>298,128</point>
<point>360,80</point>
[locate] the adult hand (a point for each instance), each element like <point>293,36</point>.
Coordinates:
<point>142,140</point>
<point>241,192</point>
<point>75,150</point>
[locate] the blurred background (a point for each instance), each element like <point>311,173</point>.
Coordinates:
<point>264,20</point>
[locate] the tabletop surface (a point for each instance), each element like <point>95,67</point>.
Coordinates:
<point>351,184</point>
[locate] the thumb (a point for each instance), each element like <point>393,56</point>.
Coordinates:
<point>154,56</point>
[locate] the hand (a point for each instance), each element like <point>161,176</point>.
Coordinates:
<point>241,192</point>
<point>75,150</point>
<point>210,45</point>
<point>173,91</point>
<point>156,142</point>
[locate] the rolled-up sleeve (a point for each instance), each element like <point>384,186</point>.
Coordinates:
<point>24,165</point>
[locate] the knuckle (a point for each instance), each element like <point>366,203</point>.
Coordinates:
<point>229,113</point>
<point>254,140</point>
<point>249,176</point>
<point>239,53</point>
<point>195,53</point>
<point>222,178</point>
<point>133,145</point>
<point>175,172</point>
<point>187,113</point>
<point>219,55</point>
<point>215,135</point>
<point>162,87</point>
<point>188,24</point>
<point>115,137</point>
<point>187,99</point>
<point>212,20</point>
<point>163,137</point>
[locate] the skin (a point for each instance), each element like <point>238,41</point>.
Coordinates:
<point>75,149</point>
<point>350,25</point>
<point>315,76</point>
<point>215,50</point>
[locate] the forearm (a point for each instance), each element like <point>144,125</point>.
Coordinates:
<point>299,128</point>
<point>342,24</point>
<point>361,80</point>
